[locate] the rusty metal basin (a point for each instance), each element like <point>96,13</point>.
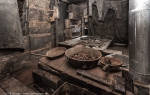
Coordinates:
<point>82,64</point>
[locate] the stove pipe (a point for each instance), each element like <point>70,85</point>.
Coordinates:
<point>139,40</point>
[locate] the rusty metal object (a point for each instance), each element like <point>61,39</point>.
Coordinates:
<point>82,64</point>
<point>53,53</point>
<point>110,64</point>
<point>123,58</point>
<point>56,52</point>
<point>94,77</point>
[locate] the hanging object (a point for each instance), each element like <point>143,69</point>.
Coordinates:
<point>11,36</point>
<point>103,6</point>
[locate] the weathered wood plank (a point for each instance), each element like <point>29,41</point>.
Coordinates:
<point>56,63</point>
<point>44,60</point>
<point>39,27</point>
<point>71,73</point>
<point>47,79</point>
<point>43,66</point>
<point>39,4</point>
<point>40,41</point>
<point>45,90</point>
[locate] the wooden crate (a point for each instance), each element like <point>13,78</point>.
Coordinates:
<point>74,15</point>
<point>67,23</point>
<point>68,33</point>
<point>73,7</point>
<point>75,12</point>
<point>70,26</point>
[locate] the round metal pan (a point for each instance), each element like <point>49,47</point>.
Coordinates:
<point>56,52</point>
<point>110,64</point>
<point>123,58</point>
<point>53,53</point>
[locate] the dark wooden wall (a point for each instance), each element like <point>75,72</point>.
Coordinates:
<point>61,23</point>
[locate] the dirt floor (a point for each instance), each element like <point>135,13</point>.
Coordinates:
<point>25,75</point>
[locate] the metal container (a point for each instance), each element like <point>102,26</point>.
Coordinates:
<point>11,36</point>
<point>123,58</point>
<point>70,89</point>
<point>82,64</point>
<point>53,53</point>
<point>139,40</point>
<point>110,64</point>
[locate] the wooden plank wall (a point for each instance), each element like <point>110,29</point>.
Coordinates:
<point>38,25</point>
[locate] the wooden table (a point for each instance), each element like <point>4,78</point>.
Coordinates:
<point>81,41</point>
<point>62,66</point>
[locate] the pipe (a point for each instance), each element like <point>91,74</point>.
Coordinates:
<point>139,40</point>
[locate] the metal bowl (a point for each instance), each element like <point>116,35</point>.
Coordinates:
<point>82,64</point>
